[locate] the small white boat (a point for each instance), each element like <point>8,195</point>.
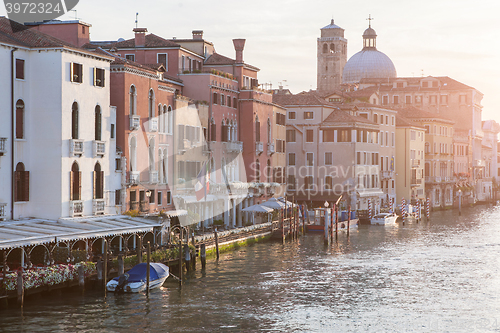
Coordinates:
<point>384,219</point>
<point>134,280</point>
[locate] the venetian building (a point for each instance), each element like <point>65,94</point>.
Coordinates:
<point>332,57</point>
<point>369,62</point>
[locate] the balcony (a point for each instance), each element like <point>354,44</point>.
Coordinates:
<point>98,148</point>
<point>153,177</point>
<point>184,145</point>
<point>415,163</point>
<point>386,174</point>
<point>3,210</point>
<point>416,181</point>
<point>135,122</point>
<point>75,147</point>
<point>75,208</point>
<point>259,148</point>
<point>233,146</point>
<point>133,177</point>
<point>153,124</point>
<point>270,148</point>
<point>98,206</point>
<point>3,146</point>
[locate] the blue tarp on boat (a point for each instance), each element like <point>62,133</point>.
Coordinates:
<point>138,272</point>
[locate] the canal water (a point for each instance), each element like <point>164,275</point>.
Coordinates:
<point>436,276</point>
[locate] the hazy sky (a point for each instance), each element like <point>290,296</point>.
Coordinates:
<point>455,38</point>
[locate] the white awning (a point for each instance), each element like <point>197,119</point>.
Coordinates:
<point>175,213</point>
<point>367,193</point>
<point>38,231</point>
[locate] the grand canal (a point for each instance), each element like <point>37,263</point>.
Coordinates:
<point>435,276</point>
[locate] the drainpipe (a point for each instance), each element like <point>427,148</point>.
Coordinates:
<point>12,64</point>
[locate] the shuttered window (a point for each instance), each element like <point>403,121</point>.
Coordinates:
<point>76,72</point>
<point>22,183</point>
<point>75,182</point>
<point>20,69</point>
<point>20,119</point>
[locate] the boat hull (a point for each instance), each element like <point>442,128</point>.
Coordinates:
<point>387,220</point>
<point>136,287</point>
<point>342,225</point>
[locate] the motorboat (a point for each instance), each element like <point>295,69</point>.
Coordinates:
<point>384,219</point>
<point>134,280</point>
<point>319,216</point>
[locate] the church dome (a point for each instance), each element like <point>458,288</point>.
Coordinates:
<point>369,62</point>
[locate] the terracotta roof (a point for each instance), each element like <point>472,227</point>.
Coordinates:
<point>14,33</point>
<point>339,116</point>
<point>447,83</point>
<point>413,112</point>
<point>152,41</point>
<point>219,59</point>
<point>304,98</point>
<point>405,122</point>
<point>366,92</point>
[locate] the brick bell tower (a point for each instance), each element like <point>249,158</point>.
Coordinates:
<point>332,57</point>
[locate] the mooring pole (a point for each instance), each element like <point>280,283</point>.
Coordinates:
<point>216,243</point>
<point>105,270</point>
<point>203,256</point>
<point>81,278</point>
<point>180,256</point>
<point>20,287</point>
<point>336,222</point>
<point>121,265</point>
<point>283,225</point>
<point>348,219</point>
<point>148,260</point>
<point>459,202</point>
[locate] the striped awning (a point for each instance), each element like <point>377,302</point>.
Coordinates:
<point>15,234</point>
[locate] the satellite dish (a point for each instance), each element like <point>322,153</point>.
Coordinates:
<point>121,39</point>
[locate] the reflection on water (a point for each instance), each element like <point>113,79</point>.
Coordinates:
<point>434,276</point>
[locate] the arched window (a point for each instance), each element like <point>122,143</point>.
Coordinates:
<point>98,182</point>
<point>133,154</point>
<point>269,138</point>
<point>151,99</point>
<point>160,118</point>
<point>325,48</point>
<point>161,176</point>
<point>152,154</point>
<point>98,123</point>
<point>269,171</point>
<point>132,100</point>
<point>20,119</point>
<point>170,119</point>
<point>223,132</point>
<point>74,121</point>
<point>257,171</point>
<point>228,101</point>
<point>22,183</point>
<point>332,48</point>
<point>257,129</point>
<point>75,182</point>
<point>213,131</point>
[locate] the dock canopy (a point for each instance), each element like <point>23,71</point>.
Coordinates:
<point>15,234</point>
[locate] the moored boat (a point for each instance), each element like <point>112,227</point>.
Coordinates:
<point>384,219</point>
<point>135,279</point>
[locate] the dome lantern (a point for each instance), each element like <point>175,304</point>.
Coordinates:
<point>369,36</point>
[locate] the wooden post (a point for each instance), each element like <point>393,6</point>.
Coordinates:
<point>180,256</point>
<point>81,278</point>
<point>283,225</point>
<point>193,256</point>
<point>105,270</point>
<point>216,243</point>
<point>121,265</point>
<point>187,257</point>
<point>148,261</point>
<point>4,288</point>
<point>332,210</point>
<point>139,251</point>
<point>304,221</point>
<point>203,256</point>
<point>20,287</point>
<point>99,271</point>
<point>348,219</point>
<point>336,223</point>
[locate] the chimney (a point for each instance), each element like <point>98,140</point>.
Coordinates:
<point>239,45</point>
<point>197,34</point>
<point>140,37</point>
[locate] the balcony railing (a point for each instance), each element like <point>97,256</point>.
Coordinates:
<point>75,208</point>
<point>153,124</point>
<point>153,177</point>
<point>3,146</point>
<point>415,163</point>
<point>233,146</point>
<point>75,147</point>
<point>3,210</point>
<point>135,122</point>
<point>416,181</point>
<point>133,177</point>
<point>259,147</point>
<point>387,174</point>
<point>98,148</point>
<point>98,206</point>
<point>270,148</point>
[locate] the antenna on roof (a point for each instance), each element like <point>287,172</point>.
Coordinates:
<point>422,72</point>
<point>136,19</point>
